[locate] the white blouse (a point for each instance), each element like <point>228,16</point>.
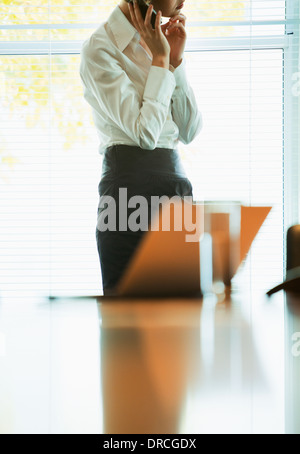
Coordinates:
<point>133,102</point>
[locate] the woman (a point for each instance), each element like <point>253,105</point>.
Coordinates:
<point>134,79</point>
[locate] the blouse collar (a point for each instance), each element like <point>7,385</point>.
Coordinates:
<point>121,28</point>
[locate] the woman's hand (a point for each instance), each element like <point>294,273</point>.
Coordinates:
<point>175,33</point>
<point>154,38</point>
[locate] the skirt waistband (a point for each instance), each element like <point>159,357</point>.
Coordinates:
<point>121,160</point>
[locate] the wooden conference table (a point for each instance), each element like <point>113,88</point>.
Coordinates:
<point>172,366</point>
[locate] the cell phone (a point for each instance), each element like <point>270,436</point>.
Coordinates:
<point>144,5</point>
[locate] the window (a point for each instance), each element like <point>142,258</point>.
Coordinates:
<point>242,58</point>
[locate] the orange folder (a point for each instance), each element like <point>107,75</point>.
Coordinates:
<point>166,264</point>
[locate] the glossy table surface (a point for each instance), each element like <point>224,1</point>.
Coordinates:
<point>175,366</point>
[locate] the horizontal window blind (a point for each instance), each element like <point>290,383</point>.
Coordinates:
<point>239,154</point>
<point>242,59</point>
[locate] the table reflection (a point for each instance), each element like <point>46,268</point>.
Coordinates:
<point>292,363</point>
<point>176,367</point>
<point>161,366</point>
<point>149,356</point>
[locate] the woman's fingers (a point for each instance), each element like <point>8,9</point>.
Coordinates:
<point>154,38</point>
<point>179,17</point>
<point>137,19</point>
<point>144,25</point>
<point>176,26</point>
<point>175,23</point>
<point>158,21</point>
<point>138,15</point>
<point>132,15</point>
<point>148,16</point>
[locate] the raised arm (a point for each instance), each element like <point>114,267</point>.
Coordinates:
<point>185,111</point>
<point>109,90</point>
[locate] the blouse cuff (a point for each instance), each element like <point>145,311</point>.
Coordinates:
<point>180,75</point>
<point>160,85</point>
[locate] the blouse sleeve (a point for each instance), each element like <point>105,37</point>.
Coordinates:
<point>109,90</point>
<point>184,107</point>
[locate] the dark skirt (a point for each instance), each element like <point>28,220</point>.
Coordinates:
<point>134,172</point>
